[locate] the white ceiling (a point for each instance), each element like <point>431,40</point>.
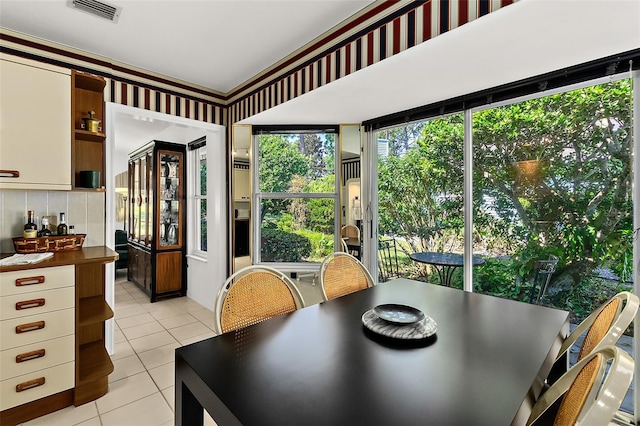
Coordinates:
<point>200,41</point>
<point>528,38</point>
<point>216,44</point>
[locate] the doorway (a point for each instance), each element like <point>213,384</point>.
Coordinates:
<point>128,128</point>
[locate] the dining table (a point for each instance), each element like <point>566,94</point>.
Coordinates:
<point>445,264</point>
<point>484,363</point>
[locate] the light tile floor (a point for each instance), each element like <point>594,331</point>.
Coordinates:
<point>141,387</point>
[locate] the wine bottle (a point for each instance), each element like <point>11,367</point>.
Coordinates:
<point>45,231</point>
<point>62,226</point>
<point>30,228</point>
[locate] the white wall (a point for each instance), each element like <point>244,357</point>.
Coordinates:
<point>205,278</point>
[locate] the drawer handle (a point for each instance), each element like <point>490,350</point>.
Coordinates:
<point>10,173</point>
<point>29,281</point>
<point>32,326</point>
<point>28,304</point>
<point>28,356</point>
<point>30,384</point>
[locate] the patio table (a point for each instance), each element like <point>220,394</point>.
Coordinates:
<point>444,263</point>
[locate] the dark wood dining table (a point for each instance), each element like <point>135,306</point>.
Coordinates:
<point>320,366</point>
<point>445,264</point>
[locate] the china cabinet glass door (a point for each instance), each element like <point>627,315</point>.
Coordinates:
<point>150,199</point>
<point>170,167</point>
<point>143,202</point>
<point>137,200</point>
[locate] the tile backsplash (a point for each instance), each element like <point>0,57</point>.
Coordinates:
<point>84,210</point>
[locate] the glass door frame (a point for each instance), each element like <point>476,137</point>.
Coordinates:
<point>370,194</point>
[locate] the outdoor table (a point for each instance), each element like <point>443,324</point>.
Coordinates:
<point>319,366</point>
<point>444,263</point>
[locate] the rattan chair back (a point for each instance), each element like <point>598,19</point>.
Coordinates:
<point>341,273</point>
<point>604,326</point>
<point>591,391</point>
<point>350,231</point>
<point>344,246</point>
<point>254,294</point>
<point>600,327</point>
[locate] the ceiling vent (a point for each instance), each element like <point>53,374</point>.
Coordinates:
<point>97,8</point>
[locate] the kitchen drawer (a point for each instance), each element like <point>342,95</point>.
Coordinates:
<point>51,325</point>
<point>53,380</point>
<point>20,282</point>
<point>35,303</point>
<point>38,356</point>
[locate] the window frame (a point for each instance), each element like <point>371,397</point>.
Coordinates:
<point>195,198</point>
<point>259,196</point>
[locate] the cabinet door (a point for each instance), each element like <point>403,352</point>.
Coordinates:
<point>149,199</point>
<point>137,200</point>
<point>168,271</point>
<point>144,219</point>
<point>171,199</point>
<point>35,134</point>
<point>241,185</point>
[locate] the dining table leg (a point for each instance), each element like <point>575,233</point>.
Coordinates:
<point>188,410</point>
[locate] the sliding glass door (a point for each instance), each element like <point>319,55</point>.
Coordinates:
<point>550,194</point>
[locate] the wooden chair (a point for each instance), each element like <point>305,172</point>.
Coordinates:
<point>253,294</point>
<point>605,325</point>
<point>591,391</point>
<point>341,273</point>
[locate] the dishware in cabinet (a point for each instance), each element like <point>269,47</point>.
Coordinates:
<point>158,217</point>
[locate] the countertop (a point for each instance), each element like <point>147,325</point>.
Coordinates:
<point>99,254</point>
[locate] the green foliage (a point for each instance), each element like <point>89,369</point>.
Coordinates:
<point>584,299</point>
<point>320,211</point>
<point>420,190</point>
<point>203,206</point>
<point>551,176</point>
<point>496,278</point>
<point>321,244</point>
<point>577,201</point>
<point>282,246</point>
<point>280,161</point>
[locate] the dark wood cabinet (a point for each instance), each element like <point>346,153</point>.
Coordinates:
<point>157,219</point>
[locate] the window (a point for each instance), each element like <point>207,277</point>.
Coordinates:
<point>297,196</point>
<point>198,201</point>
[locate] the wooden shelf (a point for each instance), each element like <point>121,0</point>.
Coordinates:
<point>91,136</point>
<point>93,310</point>
<point>87,148</point>
<point>94,361</point>
<point>89,82</point>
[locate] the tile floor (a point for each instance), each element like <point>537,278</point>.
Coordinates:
<point>141,387</point>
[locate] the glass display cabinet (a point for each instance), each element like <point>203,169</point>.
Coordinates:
<point>157,224</point>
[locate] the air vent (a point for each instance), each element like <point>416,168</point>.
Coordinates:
<point>97,8</point>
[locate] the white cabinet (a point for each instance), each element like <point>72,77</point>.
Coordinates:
<point>37,326</point>
<point>241,187</point>
<point>35,129</point>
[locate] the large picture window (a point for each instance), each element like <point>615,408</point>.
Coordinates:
<point>551,199</point>
<point>297,196</point>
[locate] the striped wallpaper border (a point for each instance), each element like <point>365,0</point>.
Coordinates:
<point>402,29</point>
<point>384,29</point>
